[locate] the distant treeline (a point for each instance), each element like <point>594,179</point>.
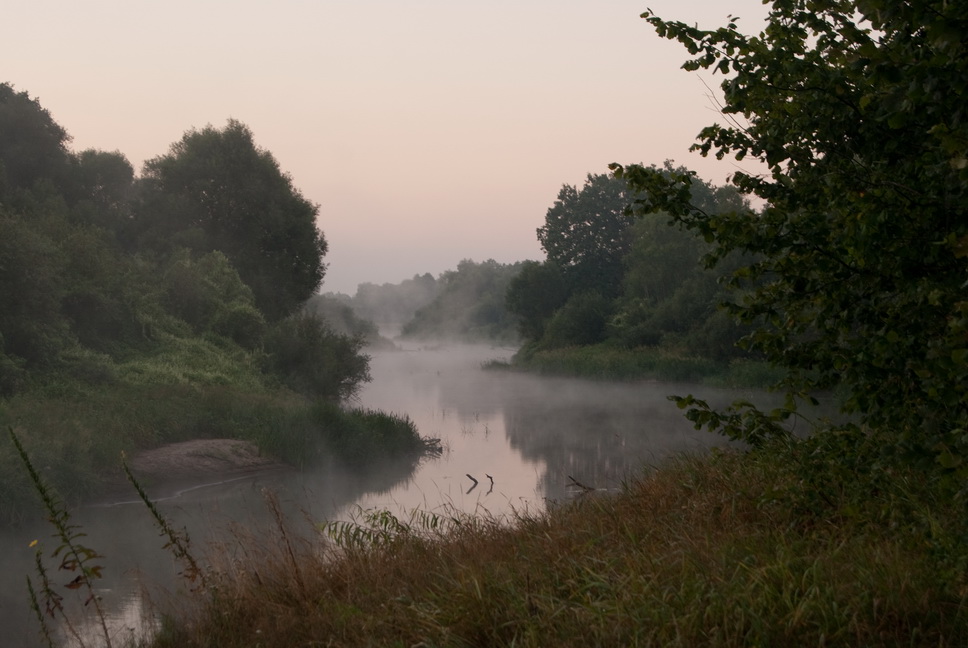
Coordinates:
<point>467,304</point>
<point>608,279</point>
<point>624,282</point>
<point>389,306</point>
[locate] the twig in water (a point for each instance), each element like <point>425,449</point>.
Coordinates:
<point>580,485</point>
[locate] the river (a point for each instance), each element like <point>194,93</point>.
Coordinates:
<point>511,442</point>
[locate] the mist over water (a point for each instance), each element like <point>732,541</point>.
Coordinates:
<point>525,439</point>
<point>532,434</point>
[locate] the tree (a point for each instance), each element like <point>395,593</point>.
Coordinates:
<point>337,312</point>
<point>534,295</point>
<point>33,147</point>
<point>857,109</point>
<point>312,359</point>
<point>470,305</point>
<point>216,190</point>
<point>32,329</point>
<point>209,295</point>
<point>586,233</point>
<point>669,298</point>
<point>581,321</point>
<point>103,187</point>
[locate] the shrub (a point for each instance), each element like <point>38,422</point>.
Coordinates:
<point>309,358</point>
<point>582,320</point>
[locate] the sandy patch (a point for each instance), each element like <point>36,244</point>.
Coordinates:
<point>176,466</point>
<point>199,458</point>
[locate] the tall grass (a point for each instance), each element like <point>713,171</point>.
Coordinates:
<point>701,552</point>
<point>186,389</point>
<point>609,362</point>
<point>79,441</point>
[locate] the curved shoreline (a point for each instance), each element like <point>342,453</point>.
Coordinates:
<point>178,468</point>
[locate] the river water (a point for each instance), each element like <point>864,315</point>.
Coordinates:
<point>512,443</point>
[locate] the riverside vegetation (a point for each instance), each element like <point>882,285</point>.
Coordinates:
<point>630,299</point>
<point>728,550</point>
<point>724,550</point>
<point>851,277</point>
<point>140,311</point>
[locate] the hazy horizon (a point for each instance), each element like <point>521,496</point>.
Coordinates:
<point>428,132</point>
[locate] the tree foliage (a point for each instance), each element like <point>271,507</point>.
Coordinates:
<point>99,268</point>
<point>857,109</point>
<point>535,294</point>
<point>586,233</point>
<point>469,305</point>
<point>209,295</point>
<point>33,147</point>
<point>32,330</point>
<point>391,306</point>
<point>216,190</point>
<point>314,360</point>
<point>655,291</point>
<point>103,189</point>
<point>669,299</point>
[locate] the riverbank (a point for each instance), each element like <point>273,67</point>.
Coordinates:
<point>727,550</point>
<point>77,437</point>
<point>609,362</point>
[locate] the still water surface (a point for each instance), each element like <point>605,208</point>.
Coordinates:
<point>525,439</point>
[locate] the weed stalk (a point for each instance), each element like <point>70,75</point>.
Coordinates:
<point>74,556</point>
<point>179,543</point>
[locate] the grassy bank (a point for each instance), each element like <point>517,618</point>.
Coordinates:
<point>608,362</point>
<point>728,550</point>
<point>76,424</point>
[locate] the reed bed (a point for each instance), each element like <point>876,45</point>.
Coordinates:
<point>609,362</point>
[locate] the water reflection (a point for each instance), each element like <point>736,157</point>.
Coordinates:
<point>535,437</point>
<point>137,568</point>
<point>512,443</point>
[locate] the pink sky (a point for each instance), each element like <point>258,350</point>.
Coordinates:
<point>428,131</point>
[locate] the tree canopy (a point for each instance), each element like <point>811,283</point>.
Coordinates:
<point>212,246</point>
<point>857,109</point>
<point>216,190</point>
<point>469,305</point>
<point>33,147</point>
<point>625,282</point>
<point>586,233</point>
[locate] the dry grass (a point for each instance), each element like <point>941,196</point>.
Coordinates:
<point>698,553</point>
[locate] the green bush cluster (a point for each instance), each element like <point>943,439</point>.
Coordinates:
<point>469,305</point>
<point>852,275</point>
<point>626,283</point>
<point>144,310</point>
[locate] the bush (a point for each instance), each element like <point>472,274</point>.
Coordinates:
<point>582,320</point>
<point>311,359</point>
<point>12,374</point>
<point>202,291</point>
<point>242,323</point>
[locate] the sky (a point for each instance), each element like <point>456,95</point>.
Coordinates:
<point>427,131</point>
